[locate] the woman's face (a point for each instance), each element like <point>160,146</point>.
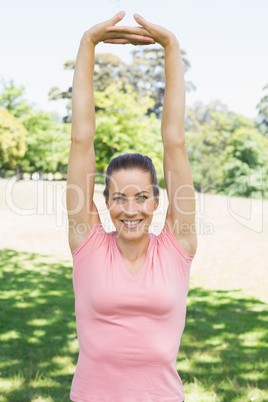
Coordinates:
<point>131,202</point>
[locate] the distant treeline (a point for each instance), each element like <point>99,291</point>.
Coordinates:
<point>227,151</point>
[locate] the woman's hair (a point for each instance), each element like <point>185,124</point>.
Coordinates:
<point>131,161</point>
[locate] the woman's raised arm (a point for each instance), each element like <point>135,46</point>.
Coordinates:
<point>82,211</point>
<point>180,216</point>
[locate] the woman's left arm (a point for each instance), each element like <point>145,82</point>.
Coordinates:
<point>180,216</point>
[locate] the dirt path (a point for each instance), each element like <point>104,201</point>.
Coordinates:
<point>232,232</point>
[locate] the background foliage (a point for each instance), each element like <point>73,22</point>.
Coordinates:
<point>227,151</point>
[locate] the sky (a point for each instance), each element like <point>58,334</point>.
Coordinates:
<point>226,43</point>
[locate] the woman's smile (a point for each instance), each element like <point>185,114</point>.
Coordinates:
<point>132,223</point>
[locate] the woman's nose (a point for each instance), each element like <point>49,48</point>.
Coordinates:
<point>131,207</point>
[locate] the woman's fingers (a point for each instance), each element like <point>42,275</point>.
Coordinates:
<point>145,33</point>
<point>120,41</point>
<point>130,33</point>
<point>142,21</point>
<point>159,34</point>
<point>118,37</point>
<point>117,18</point>
<point>128,30</point>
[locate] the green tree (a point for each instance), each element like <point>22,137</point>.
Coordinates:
<point>262,107</point>
<point>45,137</point>
<point>47,144</point>
<point>122,126</point>
<point>207,129</point>
<point>245,155</point>
<point>145,75</point>
<point>12,98</point>
<point>225,149</point>
<point>12,140</point>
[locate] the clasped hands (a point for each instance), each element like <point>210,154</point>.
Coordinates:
<point>144,34</point>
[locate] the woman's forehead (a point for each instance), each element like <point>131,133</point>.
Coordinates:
<point>126,180</point>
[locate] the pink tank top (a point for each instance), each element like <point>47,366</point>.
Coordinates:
<point>129,326</point>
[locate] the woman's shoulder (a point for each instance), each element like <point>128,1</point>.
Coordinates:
<point>94,238</point>
<point>168,240</point>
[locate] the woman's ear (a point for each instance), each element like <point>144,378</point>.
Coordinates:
<point>106,202</point>
<point>156,203</point>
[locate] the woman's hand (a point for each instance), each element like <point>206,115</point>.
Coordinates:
<point>147,29</point>
<point>98,33</point>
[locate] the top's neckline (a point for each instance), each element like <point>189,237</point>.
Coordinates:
<point>123,265</point>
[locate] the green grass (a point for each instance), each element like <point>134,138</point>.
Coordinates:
<point>223,354</point>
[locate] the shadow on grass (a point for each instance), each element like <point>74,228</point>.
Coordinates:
<point>222,351</point>
<point>224,345</point>
<point>38,333</point>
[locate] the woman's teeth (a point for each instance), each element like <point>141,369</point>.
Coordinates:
<point>131,223</point>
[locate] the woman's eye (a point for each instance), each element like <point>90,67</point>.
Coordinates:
<point>118,199</point>
<point>142,197</point>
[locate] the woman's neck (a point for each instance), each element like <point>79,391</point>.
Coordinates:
<point>133,249</point>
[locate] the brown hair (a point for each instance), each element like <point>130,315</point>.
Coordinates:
<point>131,161</point>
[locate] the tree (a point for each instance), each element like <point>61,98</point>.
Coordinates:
<point>224,149</point>
<point>44,135</point>
<point>122,126</point>
<point>263,113</point>
<point>12,99</point>
<point>47,145</point>
<point>145,75</point>
<point>12,140</point>
<point>245,154</point>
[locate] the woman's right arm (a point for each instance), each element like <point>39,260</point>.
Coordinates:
<point>82,211</point>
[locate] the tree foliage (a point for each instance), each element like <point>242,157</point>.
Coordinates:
<point>12,99</point>
<point>33,140</point>
<point>263,112</point>
<point>12,140</point>
<point>47,143</point>
<point>225,151</point>
<point>145,75</point>
<point>122,126</point>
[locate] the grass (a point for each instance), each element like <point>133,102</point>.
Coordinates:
<point>223,354</point>
<point>38,333</point>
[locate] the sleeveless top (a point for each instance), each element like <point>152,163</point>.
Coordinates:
<point>129,326</point>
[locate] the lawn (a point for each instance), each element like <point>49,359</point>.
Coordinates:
<point>223,354</point>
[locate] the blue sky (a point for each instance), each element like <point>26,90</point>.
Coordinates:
<point>226,44</point>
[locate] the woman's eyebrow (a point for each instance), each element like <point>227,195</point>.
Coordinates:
<point>144,191</point>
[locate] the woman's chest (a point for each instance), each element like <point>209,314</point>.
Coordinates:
<point>107,289</point>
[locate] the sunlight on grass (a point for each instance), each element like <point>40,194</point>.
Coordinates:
<point>39,322</point>
<point>223,344</point>
<point>7,336</point>
<point>64,365</point>
<point>253,338</point>
<point>15,382</point>
<point>256,395</point>
<point>72,345</point>
<point>206,357</point>
<point>198,392</point>
<point>23,304</point>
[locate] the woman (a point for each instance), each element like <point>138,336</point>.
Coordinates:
<point>130,286</point>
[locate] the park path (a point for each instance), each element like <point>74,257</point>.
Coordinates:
<point>232,232</point>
